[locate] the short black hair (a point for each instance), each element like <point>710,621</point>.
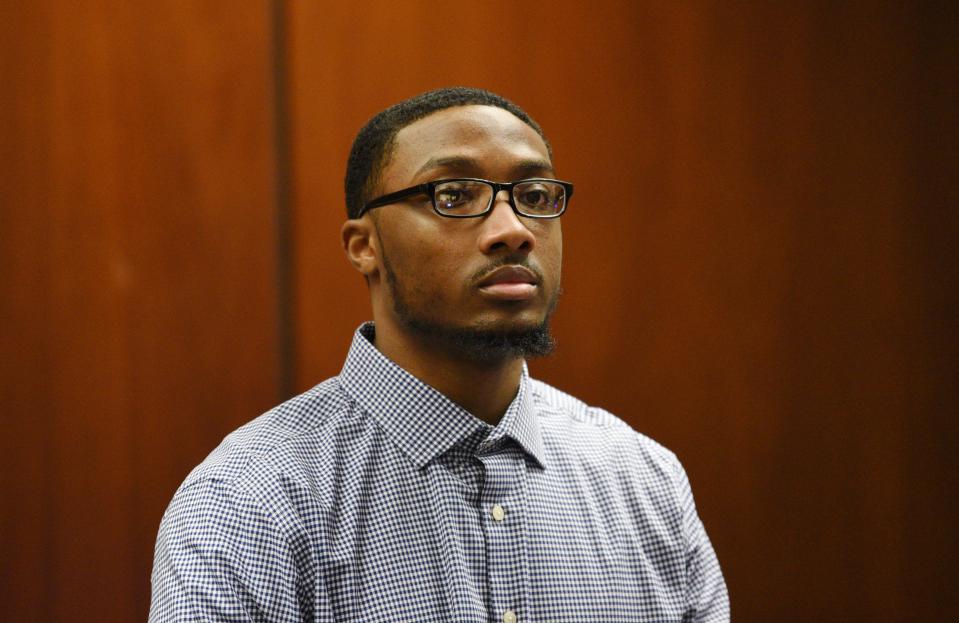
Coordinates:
<point>374,142</point>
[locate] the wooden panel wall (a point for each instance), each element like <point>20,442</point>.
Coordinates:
<point>755,264</point>
<point>751,255</point>
<point>138,298</point>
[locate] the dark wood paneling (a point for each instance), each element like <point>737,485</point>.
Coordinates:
<point>138,300</point>
<point>753,257</point>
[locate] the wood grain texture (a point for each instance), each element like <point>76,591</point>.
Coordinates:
<point>138,301</point>
<point>753,255</point>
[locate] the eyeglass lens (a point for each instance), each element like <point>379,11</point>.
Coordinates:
<point>465,197</point>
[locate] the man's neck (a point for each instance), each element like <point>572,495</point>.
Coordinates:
<point>485,389</point>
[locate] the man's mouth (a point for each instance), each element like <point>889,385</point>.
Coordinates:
<point>510,283</point>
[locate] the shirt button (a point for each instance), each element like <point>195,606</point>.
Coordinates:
<point>509,617</point>
<point>498,514</point>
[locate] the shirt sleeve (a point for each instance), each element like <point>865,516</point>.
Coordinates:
<point>707,600</point>
<point>221,557</point>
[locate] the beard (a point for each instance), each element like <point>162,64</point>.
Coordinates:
<point>486,344</point>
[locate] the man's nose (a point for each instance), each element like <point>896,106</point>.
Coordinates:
<point>503,228</point>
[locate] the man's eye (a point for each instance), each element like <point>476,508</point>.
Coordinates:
<point>452,196</point>
<point>535,197</point>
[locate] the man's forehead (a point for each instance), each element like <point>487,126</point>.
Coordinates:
<point>454,135</point>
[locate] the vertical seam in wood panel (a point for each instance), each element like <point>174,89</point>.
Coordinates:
<point>284,238</point>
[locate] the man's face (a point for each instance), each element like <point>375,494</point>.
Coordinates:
<point>450,279</point>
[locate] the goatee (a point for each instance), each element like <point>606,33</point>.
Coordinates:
<point>482,344</point>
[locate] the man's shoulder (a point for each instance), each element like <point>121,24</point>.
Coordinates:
<point>566,418</point>
<point>276,440</point>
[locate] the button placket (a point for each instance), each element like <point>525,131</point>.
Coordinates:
<point>501,500</point>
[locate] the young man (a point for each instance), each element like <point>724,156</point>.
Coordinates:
<point>433,479</point>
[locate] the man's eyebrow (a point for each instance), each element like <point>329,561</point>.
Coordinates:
<point>526,167</point>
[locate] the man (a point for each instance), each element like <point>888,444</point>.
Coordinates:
<point>433,479</point>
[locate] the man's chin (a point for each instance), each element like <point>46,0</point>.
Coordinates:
<point>489,342</point>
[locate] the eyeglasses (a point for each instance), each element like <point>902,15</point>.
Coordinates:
<point>469,197</point>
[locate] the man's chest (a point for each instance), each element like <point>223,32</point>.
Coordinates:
<point>427,546</point>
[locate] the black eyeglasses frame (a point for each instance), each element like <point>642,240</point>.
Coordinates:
<point>429,189</point>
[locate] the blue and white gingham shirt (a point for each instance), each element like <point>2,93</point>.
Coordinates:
<point>373,497</point>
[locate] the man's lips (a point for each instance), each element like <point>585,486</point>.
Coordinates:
<point>510,283</point>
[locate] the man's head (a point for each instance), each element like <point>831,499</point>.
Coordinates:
<point>482,287</point>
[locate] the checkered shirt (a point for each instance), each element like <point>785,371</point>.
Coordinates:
<point>373,497</point>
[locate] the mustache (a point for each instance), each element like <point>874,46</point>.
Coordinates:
<point>515,259</point>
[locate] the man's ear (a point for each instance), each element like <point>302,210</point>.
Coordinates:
<point>361,245</point>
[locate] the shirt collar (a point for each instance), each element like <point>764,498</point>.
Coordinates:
<point>419,419</point>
